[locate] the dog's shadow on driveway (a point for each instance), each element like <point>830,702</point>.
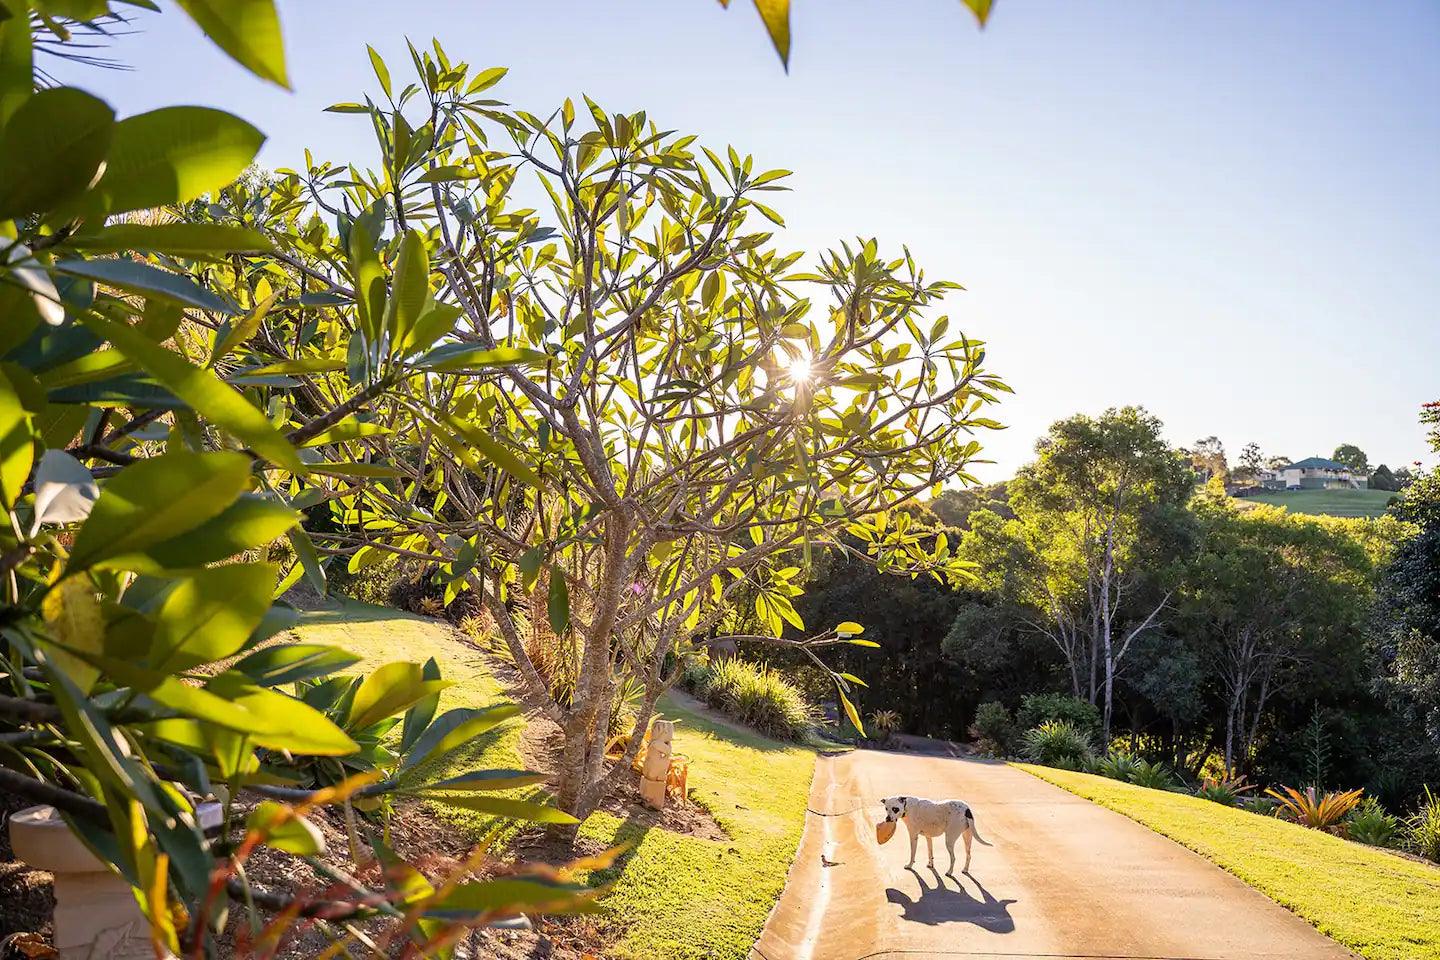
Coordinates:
<point>942,904</point>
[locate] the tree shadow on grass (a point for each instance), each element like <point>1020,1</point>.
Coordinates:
<point>630,834</point>
<point>696,717</point>
<point>940,904</point>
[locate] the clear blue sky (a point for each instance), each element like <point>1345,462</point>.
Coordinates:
<point>1227,211</point>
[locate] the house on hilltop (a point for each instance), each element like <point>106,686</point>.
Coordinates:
<point>1314,473</point>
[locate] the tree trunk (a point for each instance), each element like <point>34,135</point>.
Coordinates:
<point>582,755</point>
<point>1230,736</point>
<point>1107,572</point>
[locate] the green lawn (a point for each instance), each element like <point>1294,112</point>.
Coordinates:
<point>1382,906</point>
<point>672,895</point>
<point>1336,503</point>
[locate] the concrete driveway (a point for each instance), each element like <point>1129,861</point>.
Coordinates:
<point>1064,879</point>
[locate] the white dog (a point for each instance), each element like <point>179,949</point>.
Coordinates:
<point>930,819</point>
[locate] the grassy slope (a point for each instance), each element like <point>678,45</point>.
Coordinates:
<point>674,896</point>
<point>1382,906</point>
<point>683,897</point>
<point>1336,503</point>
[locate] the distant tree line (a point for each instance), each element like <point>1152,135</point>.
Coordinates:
<point>1206,631</point>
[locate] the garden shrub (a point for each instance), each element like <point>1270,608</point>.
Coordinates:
<point>1117,765</point>
<point>993,729</point>
<point>1038,708</point>
<point>375,583</point>
<point>884,722</point>
<point>1370,823</point>
<point>1264,806</point>
<point>694,675</point>
<point>757,697</point>
<point>1423,829</point>
<point>1155,775</point>
<point>1227,791</point>
<point>1057,743</point>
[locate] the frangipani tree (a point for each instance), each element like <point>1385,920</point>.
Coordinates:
<point>607,401</point>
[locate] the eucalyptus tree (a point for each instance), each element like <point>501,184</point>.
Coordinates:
<point>1097,520</point>
<point>1272,597</point>
<point>612,413</point>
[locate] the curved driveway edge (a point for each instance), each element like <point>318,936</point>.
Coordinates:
<point>1065,879</point>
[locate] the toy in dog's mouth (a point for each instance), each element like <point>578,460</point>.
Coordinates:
<point>884,830</point>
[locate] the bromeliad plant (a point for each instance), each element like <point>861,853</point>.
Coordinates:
<point>143,479</point>
<point>1056,743</point>
<point>1227,791</point>
<point>1370,823</point>
<point>1314,808</point>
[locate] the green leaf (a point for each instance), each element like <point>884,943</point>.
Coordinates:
<point>308,558</point>
<point>249,522</point>
<point>284,831</point>
<point>389,690</point>
<point>507,895</point>
<point>51,150</point>
<point>864,643</point>
<point>177,239</point>
<point>155,499</point>
<point>431,325</point>
<point>290,662</point>
<point>490,780</point>
<point>146,279</point>
<point>446,174</point>
<point>372,470</point>
<point>486,79</point>
<point>301,365</point>
<point>279,722</point>
<point>557,604</point>
<point>72,617</point>
<point>501,807</point>
<point>382,72</point>
<point>200,389</point>
<point>981,9</point>
<point>369,280</point>
<point>248,30</point>
<point>346,430</point>
<point>17,443</point>
<point>776,14</point>
<point>175,154</point>
<point>457,356</point>
<point>244,328</point>
<point>410,289</point>
<point>209,615</point>
<point>107,755</point>
<point>418,717</point>
<point>849,628</point>
<point>850,711</point>
<point>17,65</point>
<point>454,728</point>
<point>492,450</point>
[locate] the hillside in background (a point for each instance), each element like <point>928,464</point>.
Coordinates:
<point>1335,503</point>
